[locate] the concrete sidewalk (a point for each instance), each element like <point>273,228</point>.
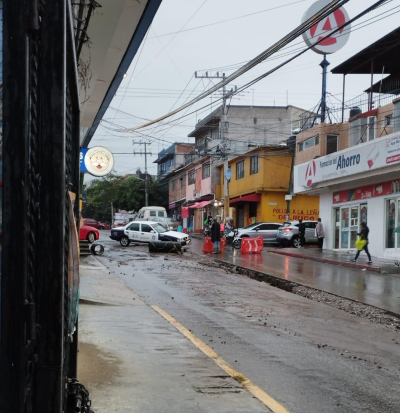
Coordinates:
<point>379,265</point>
<point>133,361</point>
<point>355,283</point>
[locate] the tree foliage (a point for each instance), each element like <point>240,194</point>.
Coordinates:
<point>124,193</point>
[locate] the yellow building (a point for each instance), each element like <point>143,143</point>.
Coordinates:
<point>260,181</point>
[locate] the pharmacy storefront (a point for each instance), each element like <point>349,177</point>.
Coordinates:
<point>361,183</point>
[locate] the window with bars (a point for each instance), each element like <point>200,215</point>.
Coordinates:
<point>254,165</point>
<point>206,170</point>
<point>183,181</point>
<point>331,144</point>
<point>192,177</point>
<point>174,184</point>
<point>240,170</point>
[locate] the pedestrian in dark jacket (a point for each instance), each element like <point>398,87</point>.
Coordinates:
<point>302,233</point>
<point>319,230</point>
<point>216,235</point>
<point>364,232</point>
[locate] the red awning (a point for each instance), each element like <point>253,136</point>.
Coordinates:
<point>247,198</point>
<point>200,204</point>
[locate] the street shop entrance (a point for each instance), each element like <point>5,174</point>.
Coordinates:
<point>347,220</point>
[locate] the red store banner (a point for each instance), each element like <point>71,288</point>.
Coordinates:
<point>366,192</point>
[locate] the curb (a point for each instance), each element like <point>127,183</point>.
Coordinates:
<point>89,301</point>
<point>288,286</point>
<point>329,261</point>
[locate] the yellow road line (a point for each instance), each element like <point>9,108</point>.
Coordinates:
<point>258,393</point>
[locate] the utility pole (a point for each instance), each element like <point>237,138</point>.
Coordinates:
<point>145,153</point>
<point>223,134</point>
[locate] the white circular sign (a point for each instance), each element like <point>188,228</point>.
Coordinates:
<point>99,161</point>
<point>327,25</point>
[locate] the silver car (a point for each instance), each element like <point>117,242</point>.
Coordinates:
<point>288,233</point>
<point>167,223</point>
<point>268,230</point>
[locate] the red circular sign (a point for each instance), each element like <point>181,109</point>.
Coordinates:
<point>327,25</point>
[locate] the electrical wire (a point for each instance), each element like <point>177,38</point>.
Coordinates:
<point>232,19</point>
<point>324,12</point>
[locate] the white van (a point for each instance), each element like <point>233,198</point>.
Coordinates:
<point>151,212</point>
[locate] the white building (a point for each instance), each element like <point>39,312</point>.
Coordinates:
<point>360,183</point>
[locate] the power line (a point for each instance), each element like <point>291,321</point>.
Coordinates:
<point>324,12</point>
<point>232,19</point>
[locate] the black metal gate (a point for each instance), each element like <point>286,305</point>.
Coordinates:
<point>40,167</point>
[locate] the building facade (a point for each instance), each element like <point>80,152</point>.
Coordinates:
<point>246,127</point>
<point>172,158</point>
<point>360,180</point>
<point>260,181</point>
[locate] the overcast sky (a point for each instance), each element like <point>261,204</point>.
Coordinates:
<point>165,64</point>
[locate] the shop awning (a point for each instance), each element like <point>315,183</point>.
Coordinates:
<point>247,198</point>
<point>200,204</point>
<point>171,206</point>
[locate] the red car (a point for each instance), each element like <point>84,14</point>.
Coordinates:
<point>105,225</point>
<point>95,224</point>
<point>88,233</point>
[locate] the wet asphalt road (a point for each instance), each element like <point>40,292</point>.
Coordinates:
<point>308,356</point>
<point>379,290</point>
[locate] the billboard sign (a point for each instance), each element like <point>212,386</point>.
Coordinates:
<point>317,32</point>
<point>97,161</point>
<point>376,154</point>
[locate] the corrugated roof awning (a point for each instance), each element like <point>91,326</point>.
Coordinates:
<point>247,198</point>
<point>380,57</point>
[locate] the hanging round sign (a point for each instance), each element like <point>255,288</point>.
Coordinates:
<point>99,161</point>
<point>327,25</point>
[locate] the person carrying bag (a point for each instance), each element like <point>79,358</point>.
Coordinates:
<point>362,242</point>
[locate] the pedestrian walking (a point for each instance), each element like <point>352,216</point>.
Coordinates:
<point>216,235</point>
<point>320,234</point>
<point>363,234</point>
<point>302,233</point>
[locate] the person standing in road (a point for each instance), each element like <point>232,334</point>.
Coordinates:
<point>364,232</point>
<point>320,234</point>
<point>216,235</point>
<point>302,233</point>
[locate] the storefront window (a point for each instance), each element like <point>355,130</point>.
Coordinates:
<point>398,224</point>
<point>337,228</point>
<point>364,213</point>
<point>345,228</point>
<point>353,226</point>
<point>390,223</point>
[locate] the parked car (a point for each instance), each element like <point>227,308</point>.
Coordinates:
<point>119,223</point>
<point>144,232</point>
<point>288,233</point>
<point>167,223</point>
<point>106,225</point>
<point>268,230</point>
<point>88,233</point>
<point>95,224</point>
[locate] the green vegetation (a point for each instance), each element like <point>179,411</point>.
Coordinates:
<point>125,193</point>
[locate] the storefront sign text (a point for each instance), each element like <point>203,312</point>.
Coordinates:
<point>355,160</point>
<point>366,192</point>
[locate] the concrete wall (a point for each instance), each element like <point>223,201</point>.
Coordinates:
<point>324,129</point>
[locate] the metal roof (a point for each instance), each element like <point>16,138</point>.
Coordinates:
<point>379,57</point>
<point>390,86</point>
